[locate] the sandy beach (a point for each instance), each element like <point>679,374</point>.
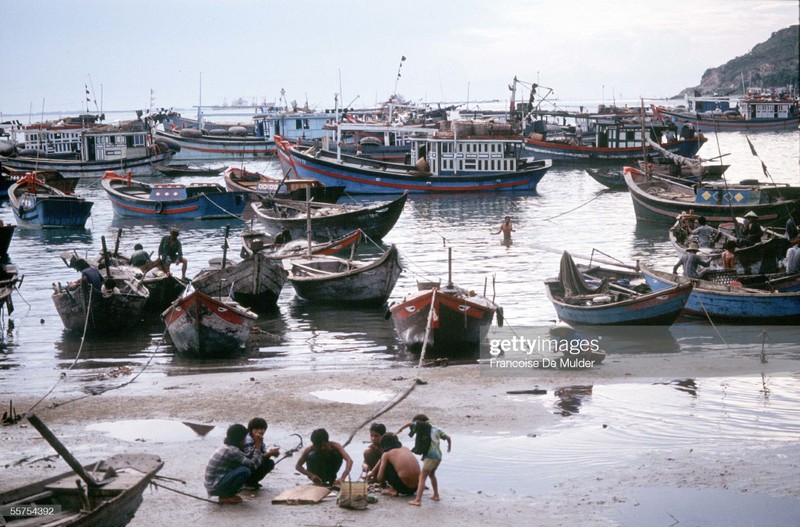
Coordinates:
<point>655,485</point>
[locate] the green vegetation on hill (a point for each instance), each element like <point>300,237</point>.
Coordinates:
<point>771,64</point>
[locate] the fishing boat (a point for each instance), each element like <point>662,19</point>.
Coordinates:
<point>730,303</point>
<point>84,308</point>
<point>187,170</point>
<point>610,303</point>
<point>199,201</point>
<point>254,241</point>
<point>608,135</point>
<point>458,319</point>
<point>208,327</point>
<point>254,282</point>
<point>469,157</point>
<point>37,204</point>
<point>85,149</point>
<point>346,282</point>
<point>9,176</point>
<point>195,145</point>
<point>755,111</point>
<point>107,492</point>
<point>758,258</point>
<point>329,220</point>
<point>9,279</point>
<point>662,200</point>
<point>258,185</point>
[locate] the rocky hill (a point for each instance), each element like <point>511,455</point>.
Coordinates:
<point>771,64</point>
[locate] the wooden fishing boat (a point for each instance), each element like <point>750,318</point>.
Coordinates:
<point>760,258</point>
<point>38,204</point>
<point>329,220</point>
<point>347,282</point>
<point>445,162</point>
<point>730,303</point>
<point>444,320</point>
<point>259,241</point>
<point>208,327</point>
<point>9,176</point>
<point>9,282</point>
<point>83,307</point>
<point>662,200</point>
<point>107,492</point>
<point>755,111</point>
<point>254,282</point>
<point>199,201</point>
<point>185,169</point>
<point>87,149</point>
<point>194,145</point>
<point>609,303</point>
<point>258,185</point>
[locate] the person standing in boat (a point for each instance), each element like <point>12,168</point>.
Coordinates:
<point>89,274</point>
<point>170,251</point>
<point>690,262</point>
<point>705,233</point>
<point>506,228</point>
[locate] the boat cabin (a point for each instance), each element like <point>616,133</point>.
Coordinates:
<point>86,145</point>
<point>292,125</point>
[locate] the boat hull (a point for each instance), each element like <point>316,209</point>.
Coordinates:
<point>210,148</point>
<point>369,285</point>
<point>207,327</point>
<point>658,308</point>
<point>732,304</point>
<point>254,282</point>
<point>562,153</point>
<point>718,205</point>
<point>201,202</point>
<point>362,176</point>
<point>721,123</point>
<point>138,166</point>
<point>105,314</point>
<point>375,221</point>
<point>458,325</point>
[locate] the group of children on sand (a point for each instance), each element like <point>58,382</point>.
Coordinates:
<point>243,460</point>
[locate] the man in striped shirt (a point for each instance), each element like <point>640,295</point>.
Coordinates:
<point>229,467</point>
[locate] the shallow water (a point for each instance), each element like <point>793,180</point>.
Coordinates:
<point>570,212</point>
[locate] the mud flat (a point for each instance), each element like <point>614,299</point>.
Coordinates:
<point>613,445</point>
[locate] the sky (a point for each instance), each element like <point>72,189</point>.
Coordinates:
<point>456,50</point>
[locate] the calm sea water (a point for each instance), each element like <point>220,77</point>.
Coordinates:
<point>570,212</point>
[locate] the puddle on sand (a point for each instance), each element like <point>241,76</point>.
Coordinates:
<point>353,396</point>
<point>158,430</point>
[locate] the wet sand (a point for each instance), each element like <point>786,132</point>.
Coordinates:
<point>653,486</point>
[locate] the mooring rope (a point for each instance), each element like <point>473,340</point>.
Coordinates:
<point>399,397</point>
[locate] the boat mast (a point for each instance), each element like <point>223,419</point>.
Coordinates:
<point>200,104</point>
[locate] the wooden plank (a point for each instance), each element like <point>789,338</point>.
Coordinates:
<point>302,495</point>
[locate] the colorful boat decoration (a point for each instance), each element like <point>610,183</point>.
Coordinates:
<point>200,201</point>
<point>662,200</point>
<point>446,162</point>
<point>610,303</point>
<point>730,303</point>
<point>37,204</point>
<point>208,327</point>
<point>755,111</point>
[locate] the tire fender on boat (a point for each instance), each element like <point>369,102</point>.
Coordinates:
<point>158,207</point>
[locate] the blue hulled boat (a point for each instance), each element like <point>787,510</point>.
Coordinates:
<point>38,204</point>
<point>461,160</point>
<point>730,303</point>
<point>199,201</point>
<point>611,304</point>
